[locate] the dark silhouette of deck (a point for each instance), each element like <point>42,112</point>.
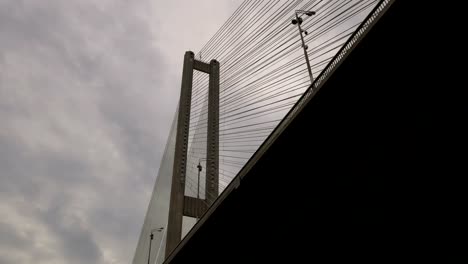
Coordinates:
<point>335,184</point>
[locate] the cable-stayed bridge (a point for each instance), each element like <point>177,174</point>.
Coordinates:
<point>260,159</point>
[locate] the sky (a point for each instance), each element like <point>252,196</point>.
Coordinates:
<point>88,89</point>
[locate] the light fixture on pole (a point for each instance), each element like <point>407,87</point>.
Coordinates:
<point>151,239</point>
<point>198,181</point>
<point>298,21</point>
<point>199,167</point>
<point>160,245</point>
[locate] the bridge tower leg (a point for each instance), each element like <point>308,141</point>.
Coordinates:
<point>176,204</point>
<point>212,147</point>
<point>181,205</point>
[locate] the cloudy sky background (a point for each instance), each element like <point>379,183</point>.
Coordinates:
<point>88,89</point>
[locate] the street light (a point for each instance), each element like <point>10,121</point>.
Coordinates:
<point>199,167</point>
<point>151,239</point>
<point>298,21</point>
<point>160,245</point>
<point>198,181</point>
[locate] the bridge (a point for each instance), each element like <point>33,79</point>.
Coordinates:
<point>325,182</point>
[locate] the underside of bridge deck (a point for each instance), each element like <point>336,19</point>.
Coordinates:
<point>335,184</point>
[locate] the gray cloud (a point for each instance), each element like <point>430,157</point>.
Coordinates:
<point>75,241</point>
<point>87,94</point>
<point>77,88</point>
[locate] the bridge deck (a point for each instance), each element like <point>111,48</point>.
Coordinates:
<point>334,182</point>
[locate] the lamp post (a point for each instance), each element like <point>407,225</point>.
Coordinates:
<point>199,167</point>
<point>298,21</point>
<point>151,239</point>
<point>198,181</point>
<point>160,244</point>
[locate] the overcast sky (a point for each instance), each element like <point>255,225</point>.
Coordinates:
<point>88,89</point>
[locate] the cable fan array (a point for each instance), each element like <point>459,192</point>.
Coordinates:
<point>262,75</point>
